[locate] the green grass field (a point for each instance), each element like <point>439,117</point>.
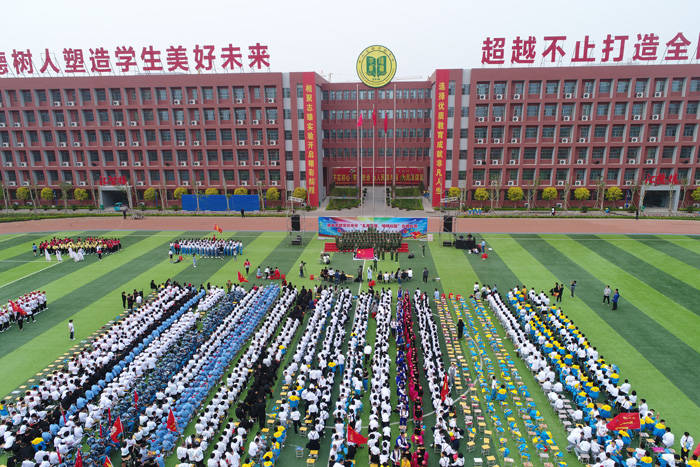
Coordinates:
<point>653,337</point>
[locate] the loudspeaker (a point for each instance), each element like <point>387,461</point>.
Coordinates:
<point>447,224</point>
<point>296,223</point>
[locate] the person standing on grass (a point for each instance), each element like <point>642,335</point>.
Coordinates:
<point>615,299</point>
<point>123,299</point>
<point>247,266</point>
<point>194,260</point>
<point>460,328</point>
<point>71,329</point>
<point>34,248</point>
<point>425,275</point>
<point>606,294</point>
<point>170,255</point>
<point>423,249</point>
<point>573,288</point>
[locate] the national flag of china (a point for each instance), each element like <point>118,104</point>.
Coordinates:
<point>359,120</point>
<point>117,429</point>
<point>18,309</point>
<point>172,423</point>
<point>374,118</point>
<point>354,437</point>
<point>216,227</point>
<point>625,421</point>
<point>78,459</point>
<point>386,122</point>
<point>445,389</point>
<point>241,279</point>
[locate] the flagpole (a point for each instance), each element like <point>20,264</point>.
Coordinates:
<point>393,180</point>
<point>374,130</point>
<point>357,163</point>
<point>385,128</point>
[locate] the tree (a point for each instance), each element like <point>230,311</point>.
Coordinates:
<point>80,194</point>
<point>515,193</point>
<point>582,194</point>
<point>300,192</point>
<point>599,193</point>
<point>454,192</point>
<point>695,194</point>
<point>613,194</point>
<point>532,192</point>
<point>177,194</point>
<point>211,191</point>
<point>550,194</point>
<point>567,194</point>
<point>272,194</point>
<point>240,191</point>
<point>149,194</point>
<point>684,187</point>
<point>65,188</point>
<point>495,184</point>
<point>3,195</point>
<point>23,193</point>
<point>480,194</point>
<point>47,194</point>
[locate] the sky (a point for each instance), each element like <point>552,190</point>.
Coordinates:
<point>327,36</point>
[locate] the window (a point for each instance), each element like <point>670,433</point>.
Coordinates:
<point>671,130</point>
<point>622,86</point>
<point>618,131</point>
<point>692,108</point>
<point>533,87</point>
<point>548,131</point>
<point>499,88</point>
<point>599,131</point>
<point>667,152</point>
<point>550,110</point>
<point>640,85</point>
<point>660,85</point>
<point>552,87</point>
<point>533,110</point>
<point>695,85</point>
<point>620,109</point>
<point>635,131</point>
<point>674,108</point>
<point>686,152</point>
<point>569,87</point>
<point>531,132</point>
<point>604,86</point>
<point>482,111</point>
<point>567,109</point>
<point>450,91</point>
<point>689,129</point>
<point>481,88</point>
<point>602,109</point>
<point>637,108</point>
<point>677,84</point>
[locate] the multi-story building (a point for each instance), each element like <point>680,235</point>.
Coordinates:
<point>564,127</point>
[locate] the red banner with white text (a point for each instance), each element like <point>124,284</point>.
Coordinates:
<point>309,83</point>
<point>442,78</point>
<point>404,175</point>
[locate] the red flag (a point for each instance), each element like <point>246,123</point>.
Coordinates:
<point>241,279</point>
<point>355,438</point>
<point>371,283</point>
<point>100,430</point>
<point>18,309</point>
<point>60,459</point>
<point>221,230</point>
<point>374,118</point>
<point>386,122</point>
<point>108,463</point>
<point>117,429</point>
<point>109,416</point>
<point>216,227</point>
<point>445,389</point>
<point>359,120</point>
<point>172,423</point>
<point>625,421</point>
<point>136,400</point>
<point>78,459</point>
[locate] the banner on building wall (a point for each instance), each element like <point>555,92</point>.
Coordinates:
<point>440,134</point>
<point>404,175</point>
<point>309,83</point>
<point>410,227</point>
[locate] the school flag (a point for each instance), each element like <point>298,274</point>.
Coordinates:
<point>386,122</point>
<point>241,278</point>
<point>625,421</point>
<point>136,400</point>
<point>172,423</point>
<point>445,389</point>
<point>117,429</point>
<point>108,463</point>
<point>355,438</point>
<point>78,459</point>
<point>359,120</point>
<point>374,118</point>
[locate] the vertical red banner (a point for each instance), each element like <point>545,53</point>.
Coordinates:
<point>440,135</point>
<point>310,124</point>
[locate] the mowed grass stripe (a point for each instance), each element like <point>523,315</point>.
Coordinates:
<point>93,305</point>
<point>676,319</point>
<point>652,267</point>
<point>11,241</point>
<point>678,362</point>
<point>282,254</point>
<point>54,280</point>
<point>690,243</point>
<point>671,249</point>
<point>21,248</point>
<point>646,378</point>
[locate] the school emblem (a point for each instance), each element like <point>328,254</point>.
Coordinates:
<point>376,66</point>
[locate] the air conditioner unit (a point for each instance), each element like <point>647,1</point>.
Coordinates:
<point>632,161</point>
<point>652,139</point>
<point>137,164</point>
<point>193,122</point>
<point>17,124</point>
<point>179,123</point>
<point>241,143</point>
<point>628,182</point>
<point>257,164</point>
<point>272,122</point>
<point>239,101</point>
<point>499,97</point>
<point>62,145</point>
<point>176,101</point>
<point>274,182</point>
<point>634,139</point>
<point>579,161</point>
<point>195,143</point>
<point>562,161</point>
<point>657,94</point>
<point>639,94</point>
<point>567,118</point>
<point>124,164</point>
<point>8,164</point>
<point>273,142</point>
<point>56,103</point>
<point>20,145</point>
<point>270,100</point>
<point>256,122</point>
<point>82,183</point>
<point>244,183</point>
<point>116,102</point>
<point>514,141</point>
<point>586,95</point>
<point>180,143</point>
<point>650,161</point>
<point>480,141</point>
<point>495,161</point>
<point>515,118</point>
<point>65,164</point>
<point>133,123</point>
<point>582,140</point>
<point>12,183</point>
<point>568,95</point>
<point>121,144</point>
<point>565,140</point>
<point>636,117</point>
<point>243,163</point>
<point>478,162</point>
<point>196,163</point>
<point>257,142</point>
<point>477,182</point>
<point>482,96</point>
<point>481,119</point>
<point>139,183</point>
<point>79,164</point>
<point>274,163</point>
<point>497,119</point>
<point>655,117</point>
<point>22,164</point>
<point>239,122</point>
<point>697,182</point>
<point>185,183</point>
<point>560,182</point>
<point>578,183</point>
<point>511,182</point>
<point>584,118</point>
<point>199,183</point>
<point>512,162</point>
<point>192,101</point>
<point>2,125</point>
<point>497,141</point>
<point>183,163</point>
<point>119,123</point>
<point>70,104</point>
<point>60,124</point>
<point>135,144</point>
<point>516,96</point>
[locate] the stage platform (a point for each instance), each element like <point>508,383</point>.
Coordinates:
<point>331,247</point>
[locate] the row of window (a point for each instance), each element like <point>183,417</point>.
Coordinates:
<point>670,130</point>
<point>351,94</point>
<point>613,154</point>
<point>589,86</point>
<point>369,133</point>
<point>561,175</point>
<point>602,109</point>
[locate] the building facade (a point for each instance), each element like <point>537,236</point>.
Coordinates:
<point>566,127</point>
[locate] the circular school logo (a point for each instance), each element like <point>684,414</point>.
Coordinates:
<point>376,66</point>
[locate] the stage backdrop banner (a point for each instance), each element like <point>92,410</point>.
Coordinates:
<point>404,175</point>
<point>410,227</point>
